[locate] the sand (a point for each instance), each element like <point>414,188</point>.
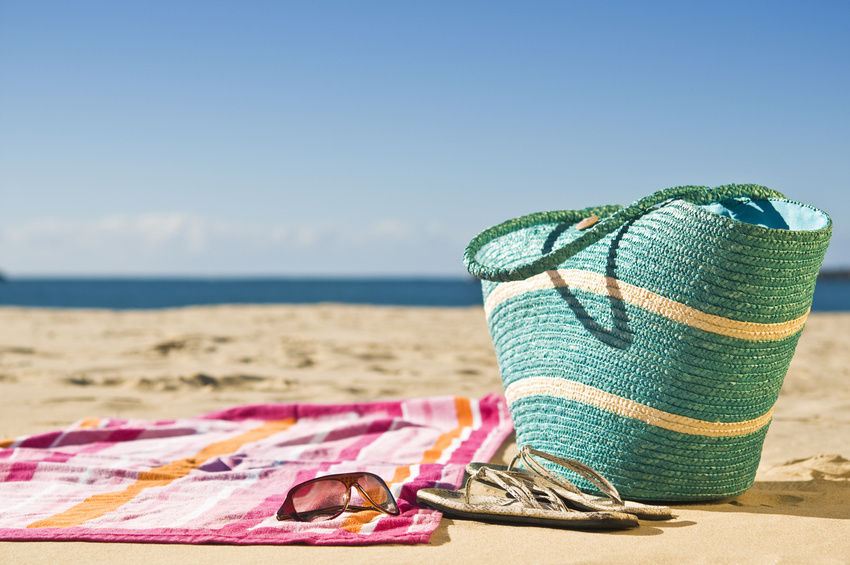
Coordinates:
<point>57,366</point>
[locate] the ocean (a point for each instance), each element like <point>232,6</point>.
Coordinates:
<point>831,294</point>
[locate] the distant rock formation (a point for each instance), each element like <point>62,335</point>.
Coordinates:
<point>834,274</point>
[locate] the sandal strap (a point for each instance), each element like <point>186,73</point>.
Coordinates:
<point>519,487</point>
<point>527,454</point>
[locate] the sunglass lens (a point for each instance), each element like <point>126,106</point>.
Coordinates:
<point>377,492</point>
<point>319,500</point>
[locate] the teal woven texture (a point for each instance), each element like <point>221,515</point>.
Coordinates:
<point>672,310</point>
<point>644,462</point>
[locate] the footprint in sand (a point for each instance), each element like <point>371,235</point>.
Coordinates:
<point>297,354</point>
<point>82,379</point>
<point>18,350</point>
<point>204,381</point>
<point>121,402</point>
<point>366,352</point>
<point>189,343</point>
<point>67,399</point>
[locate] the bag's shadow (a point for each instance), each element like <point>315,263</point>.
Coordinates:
<point>812,498</point>
<point>620,336</point>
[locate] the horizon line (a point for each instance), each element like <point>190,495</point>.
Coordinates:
<point>825,272</point>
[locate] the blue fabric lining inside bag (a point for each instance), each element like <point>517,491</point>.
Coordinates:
<point>776,214</point>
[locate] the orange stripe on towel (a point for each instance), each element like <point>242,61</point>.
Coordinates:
<point>463,408</point>
<point>464,420</point>
<point>104,503</point>
<point>89,423</point>
<point>357,520</point>
<point>6,443</point>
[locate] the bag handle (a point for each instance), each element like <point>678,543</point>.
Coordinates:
<point>613,217</point>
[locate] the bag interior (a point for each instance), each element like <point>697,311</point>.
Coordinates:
<point>776,214</point>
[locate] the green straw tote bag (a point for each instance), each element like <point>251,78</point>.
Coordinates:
<point>650,341</point>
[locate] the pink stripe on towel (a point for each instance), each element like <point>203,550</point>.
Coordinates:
<point>94,484</point>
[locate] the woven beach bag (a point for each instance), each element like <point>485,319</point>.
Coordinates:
<point>650,342</point>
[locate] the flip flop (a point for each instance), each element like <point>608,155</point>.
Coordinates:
<point>566,490</point>
<point>527,503</point>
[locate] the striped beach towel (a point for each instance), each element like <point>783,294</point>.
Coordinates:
<point>220,478</point>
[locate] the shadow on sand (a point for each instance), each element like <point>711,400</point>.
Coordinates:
<point>813,498</point>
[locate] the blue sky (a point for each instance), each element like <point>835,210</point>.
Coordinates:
<point>373,138</point>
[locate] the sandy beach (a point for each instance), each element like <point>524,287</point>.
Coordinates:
<point>58,366</point>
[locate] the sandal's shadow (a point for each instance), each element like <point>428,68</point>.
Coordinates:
<point>503,456</point>
<point>441,534</point>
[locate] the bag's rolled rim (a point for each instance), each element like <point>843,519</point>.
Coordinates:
<point>613,216</point>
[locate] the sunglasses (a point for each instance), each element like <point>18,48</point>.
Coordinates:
<point>325,498</point>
